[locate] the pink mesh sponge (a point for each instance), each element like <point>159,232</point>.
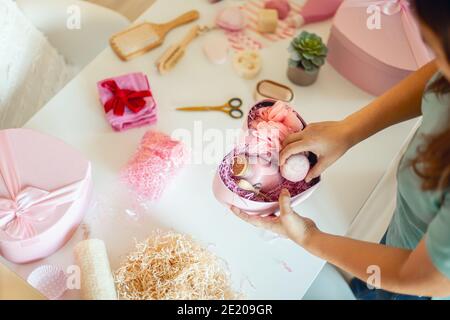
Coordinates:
<point>157,160</point>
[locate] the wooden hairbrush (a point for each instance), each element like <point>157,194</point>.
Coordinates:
<point>174,53</point>
<point>146,36</point>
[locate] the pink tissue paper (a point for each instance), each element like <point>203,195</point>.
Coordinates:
<point>156,162</point>
<point>128,101</point>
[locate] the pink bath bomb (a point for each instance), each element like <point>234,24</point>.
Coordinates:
<point>296,168</point>
<point>281,6</point>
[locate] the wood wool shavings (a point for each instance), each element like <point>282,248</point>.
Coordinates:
<point>172,266</point>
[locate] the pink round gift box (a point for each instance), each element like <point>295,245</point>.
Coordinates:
<point>46,163</point>
<point>224,195</point>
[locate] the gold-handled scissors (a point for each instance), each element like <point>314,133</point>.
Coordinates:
<point>232,108</point>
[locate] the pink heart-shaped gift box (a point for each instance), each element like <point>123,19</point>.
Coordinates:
<point>45,190</point>
<point>260,207</point>
<point>376,59</point>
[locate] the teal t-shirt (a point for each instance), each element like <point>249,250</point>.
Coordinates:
<point>423,213</point>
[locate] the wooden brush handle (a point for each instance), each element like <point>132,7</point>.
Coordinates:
<point>183,19</point>
<point>191,35</point>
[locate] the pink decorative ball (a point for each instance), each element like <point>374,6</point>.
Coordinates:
<point>281,6</point>
<point>296,168</point>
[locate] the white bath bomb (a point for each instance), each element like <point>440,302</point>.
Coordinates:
<point>296,168</point>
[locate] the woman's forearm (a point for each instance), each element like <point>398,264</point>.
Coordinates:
<point>401,103</point>
<point>399,270</point>
<point>359,257</point>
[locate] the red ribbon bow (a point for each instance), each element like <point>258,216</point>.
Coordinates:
<point>133,100</point>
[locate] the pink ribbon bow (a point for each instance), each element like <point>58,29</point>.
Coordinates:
<point>392,7</point>
<point>28,206</point>
<point>17,216</point>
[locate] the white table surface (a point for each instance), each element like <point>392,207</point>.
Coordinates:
<point>257,265</point>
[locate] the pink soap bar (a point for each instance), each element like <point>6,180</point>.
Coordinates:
<point>156,162</point>
<point>45,190</point>
<point>296,168</point>
<point>135,82</point>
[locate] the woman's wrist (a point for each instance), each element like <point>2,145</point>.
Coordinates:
<point>350,133</point>
<point>310,235</point>
<point>357,128</point>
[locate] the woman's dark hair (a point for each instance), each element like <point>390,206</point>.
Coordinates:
<point>432,164</point>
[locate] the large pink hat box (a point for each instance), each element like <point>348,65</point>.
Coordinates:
<point>45,190</point>
<point>376,44</point>
<point>300,191</point>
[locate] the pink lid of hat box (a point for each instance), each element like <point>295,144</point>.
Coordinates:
<point>374,59</point>
<point>45,190</point>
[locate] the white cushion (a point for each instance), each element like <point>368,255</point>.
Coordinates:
<point>31,70</point>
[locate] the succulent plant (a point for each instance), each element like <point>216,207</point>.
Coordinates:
<point>307,51</point>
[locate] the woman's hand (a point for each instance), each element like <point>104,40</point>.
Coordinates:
<point>328,140</point>
<point>288,224</point>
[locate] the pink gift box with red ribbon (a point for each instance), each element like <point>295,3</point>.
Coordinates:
<point>45,190</point>
<point>376,44</point>
<point>128,101</point>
